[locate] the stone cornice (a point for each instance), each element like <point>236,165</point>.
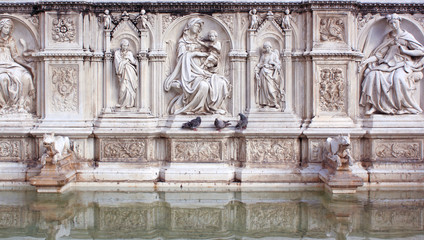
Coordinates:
<point>209,7</point>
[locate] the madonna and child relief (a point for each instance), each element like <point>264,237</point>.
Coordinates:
<point>198,87</point>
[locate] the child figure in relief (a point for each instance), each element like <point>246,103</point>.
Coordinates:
<point>214,48</point>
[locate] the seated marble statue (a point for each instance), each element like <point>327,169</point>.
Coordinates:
<point>199,91</point>
<point>393,68</point>
<point>126,72</point>
<point>16,82</point>
<point>267,74</point>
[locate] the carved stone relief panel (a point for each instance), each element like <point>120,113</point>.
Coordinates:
<point>64,80</point>
<point>315,150</point>
<point>398,151</point>
<point>272,217</point>
<point>63,30</point>
<point>12,217</point>
<point>205,43</point>
<point>387,219</point>
<point>200,150</point>
<point>198,219</point>
<point>332,89</point>
<point>11,149</point>
<point>271,151</point>
<point>332,29</point>
<point>124,150</point>
<point>129,218</point>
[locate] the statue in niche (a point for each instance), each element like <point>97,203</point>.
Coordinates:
<point>126,71</point>
<point>17,91</point>
<point>143,19</point>
<point>107,20</point>
<point>286,20</point>
<point>268,78</point>
<point>254,21</point>
<point>199,91</point>
<point>392,70</point>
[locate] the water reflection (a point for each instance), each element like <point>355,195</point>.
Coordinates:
<point>218,215</point>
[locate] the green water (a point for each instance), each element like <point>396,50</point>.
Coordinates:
<point>307,214</point>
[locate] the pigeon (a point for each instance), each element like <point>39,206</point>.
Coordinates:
<point>242,123</point>
<point>219,124</point>
<point>193,124</point>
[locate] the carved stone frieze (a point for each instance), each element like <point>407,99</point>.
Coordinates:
<point>272,217</point>
<point>123,218</point>
<point>64,29</point>
<point>10,217</point>
<point>385,219</point>
<point>65,87</point>
<point>198,219</point>
<point>10,149</point>
<point>197,151</point>
<point>398,151</point>
<point>271,151</point>
<point>331,29</point>
<point>332,90</point>
<point>127,150</point>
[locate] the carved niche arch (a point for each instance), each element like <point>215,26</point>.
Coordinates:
<point>21,30</point>
<point>374,32</point>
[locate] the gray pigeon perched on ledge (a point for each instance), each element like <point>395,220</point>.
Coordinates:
<point>220,124</point>
<point>242,123</point>
<point>192,124</point>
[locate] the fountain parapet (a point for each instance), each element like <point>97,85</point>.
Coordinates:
<point>337,173</point>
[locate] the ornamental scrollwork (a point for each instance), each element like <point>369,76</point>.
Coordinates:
<point>10,149</point>
<point>271,150</point>
<point>332,89</point>
<point>65,93</point>
<point>113,149</point>
<point>398,150</point>
<point>197,151</point>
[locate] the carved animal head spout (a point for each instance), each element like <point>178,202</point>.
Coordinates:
<point>48,143</point>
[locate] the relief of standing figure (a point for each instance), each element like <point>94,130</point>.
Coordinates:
<point>126,71</point>
<point>268,76</point>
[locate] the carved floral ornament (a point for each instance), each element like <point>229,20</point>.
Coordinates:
<point>123,149</point>
<point>65,91</point>
<point>63,29</point>
<point>271,151</point>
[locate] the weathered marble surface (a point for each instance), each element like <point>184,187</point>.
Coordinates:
<point>332,67</point>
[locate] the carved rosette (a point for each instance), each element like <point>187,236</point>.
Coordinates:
<point>331,29</point>
<point>197,151</point>
<point>199,219</point>
<point>332,90</point>
<point>10,150</point>
<point>124,150</point>
<point>398,151</point>
<point>64,30</point>
<point>271,151</point>
<point>65,88</point>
